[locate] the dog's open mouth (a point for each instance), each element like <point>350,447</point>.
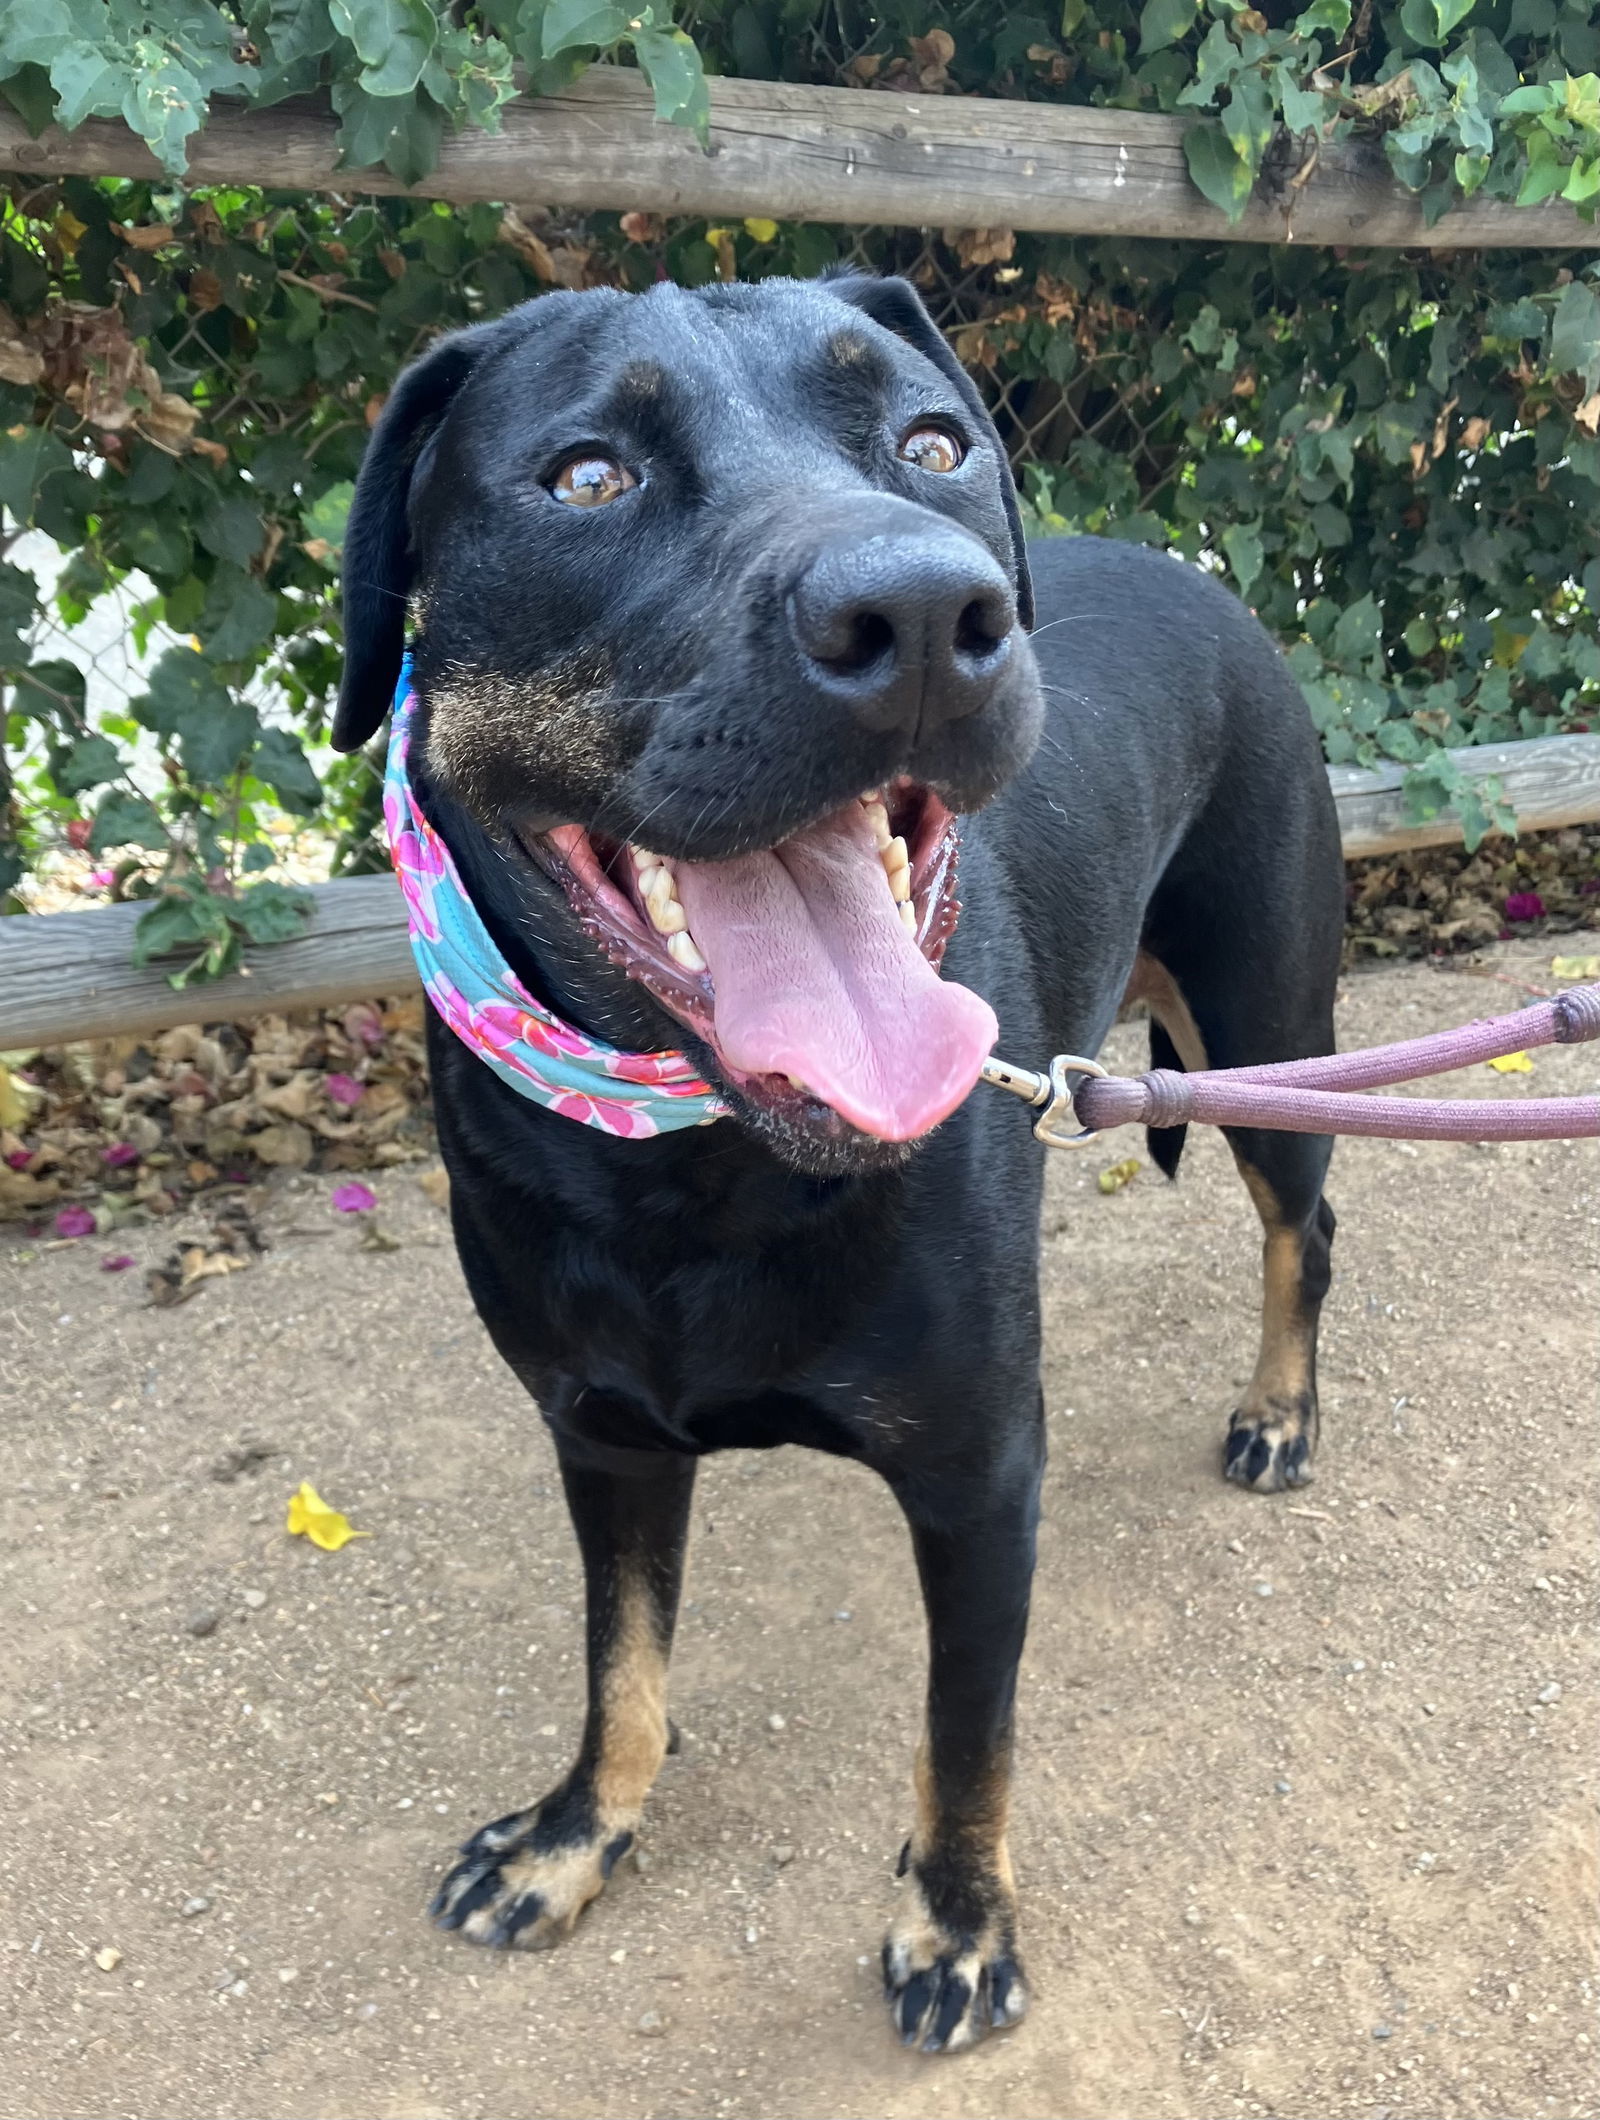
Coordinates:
<point>810,968</point>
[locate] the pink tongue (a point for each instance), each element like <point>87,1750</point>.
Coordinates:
<point>815,977</point>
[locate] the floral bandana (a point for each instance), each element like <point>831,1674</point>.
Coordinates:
<point>633,1095</point>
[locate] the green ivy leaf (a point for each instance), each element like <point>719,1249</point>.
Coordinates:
<point>1164,22</point>
<point>324,522</point>
<point>1216,170</point>
<point>590,24</point>
<point>239,615</point>
<point>53,692</point>
<point>401,132</point>
<point>181,684</point>
<point>1304,109</point>
<point>88,85</point>
<point>91,762</point>
<point>280,761</point>
<point>27,461</point>
<point>1247,119</point>
<point>177,920</point>
<point>1447,13</point>
<point>1575,333</point>
<point>1242,543</point>
<point>163,104</point>
<point>230,528</point>
<point>19,607</point>
<point>393,39</point>
<point>125,820</point>
<point>671,64</point>
<point>273,912</point>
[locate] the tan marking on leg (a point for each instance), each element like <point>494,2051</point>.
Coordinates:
<point>1284,1364</point>
<point>1155,986</point>
<point>919,1943</point>
<point>633,1710</point>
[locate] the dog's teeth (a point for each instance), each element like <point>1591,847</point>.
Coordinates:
<point>681,948</point>
<point>643,861</point>
<point>878,818</point>
<point>656,887</point>
<point>796,1083</point>
<point>908,917</point>
<point>667,917</point>
<point>897,867</point>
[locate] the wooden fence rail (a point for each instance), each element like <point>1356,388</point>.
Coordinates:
<point>827,154</point>
<point>65,976</point>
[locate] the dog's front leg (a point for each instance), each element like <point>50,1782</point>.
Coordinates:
<point>524,1880</point>
<point>950,1962</point>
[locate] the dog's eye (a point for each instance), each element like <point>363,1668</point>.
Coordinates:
<point>591,481</point>
<point>932,449</point>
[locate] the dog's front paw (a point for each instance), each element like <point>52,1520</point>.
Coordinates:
<point>1271,1449</point>
<point>948,1982</point>
<point>522,1882</point>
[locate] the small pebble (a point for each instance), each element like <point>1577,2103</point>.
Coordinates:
<point>651,2025</point>
<point>1263,1589</point>
<point>1382,2031</point>
<point>619,1957</point>
<point>1235,1545</point>
<point>641,1861</point>
<point>1283,1788</point>
<point>1541,1582</point>
<point>776,1722</point>
<point>844,1612</point>
<point>1192,1916</point>
<point>200,1904</point>
<point>287,1973</point>
<point>1549,1695</point>
<point>201,1622</point>
<point>108,1958</point>
<point>783,1854</point>
<point>1430,1707</point>
<point>255,1599</point>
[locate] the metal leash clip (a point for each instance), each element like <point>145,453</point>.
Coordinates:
<point>1053,1091</point>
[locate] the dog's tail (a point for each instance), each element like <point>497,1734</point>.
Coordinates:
<point>1165,1143</point>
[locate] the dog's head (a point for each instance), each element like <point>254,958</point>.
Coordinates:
<point>719,604</point>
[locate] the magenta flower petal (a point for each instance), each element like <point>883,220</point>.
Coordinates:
<point>19,1159</point>
<point>75,1222</point>
<point>354,1198</point>
<point>119,1154</point>
<point>1524,905</point>
<point>118,1262</point>
<point>344,1089</point>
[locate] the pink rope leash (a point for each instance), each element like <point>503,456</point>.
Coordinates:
<point>1317,1096</point>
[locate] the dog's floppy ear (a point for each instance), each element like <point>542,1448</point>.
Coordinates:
<point>896,305</point>
<point>377,543</point>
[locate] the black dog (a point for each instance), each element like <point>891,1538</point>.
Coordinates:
<point>728,588</point>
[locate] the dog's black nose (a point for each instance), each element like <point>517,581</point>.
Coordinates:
<point>912,626</point>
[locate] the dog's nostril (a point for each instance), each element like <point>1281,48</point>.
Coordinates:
<point>864,638</point>
<point>981,628</point>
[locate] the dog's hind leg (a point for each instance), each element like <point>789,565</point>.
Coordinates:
<point>524,1880</point>
<point>1272,1435</point>
<point>950,1963</point>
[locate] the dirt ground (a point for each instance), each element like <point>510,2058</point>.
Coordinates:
<point>1304,1822</point>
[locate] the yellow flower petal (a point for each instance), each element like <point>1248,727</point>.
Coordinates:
<point>1511,1064</point>
<point>310,1517</point>
<point>714,236</point>
<point>762,231</point>
<point>1576,967</point>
